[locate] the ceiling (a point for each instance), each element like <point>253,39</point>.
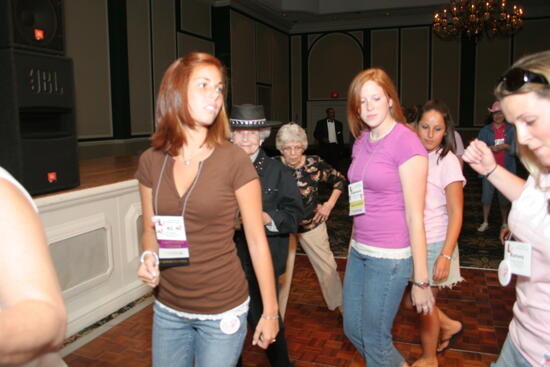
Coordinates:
<point>301,15</point>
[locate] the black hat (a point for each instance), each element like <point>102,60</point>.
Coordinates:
<point>249,116</point>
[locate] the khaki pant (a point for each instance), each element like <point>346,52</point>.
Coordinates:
<point>317,247</point>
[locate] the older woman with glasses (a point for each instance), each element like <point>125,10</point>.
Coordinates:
<point>524,93</point>
<point>310,172</point>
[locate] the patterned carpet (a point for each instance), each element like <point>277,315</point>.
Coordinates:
<point>477,250</point>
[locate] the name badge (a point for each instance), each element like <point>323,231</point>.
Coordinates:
<point>356,198</point>
<point>499,141</point>
<point>517,260</point>
<point>172,240</point>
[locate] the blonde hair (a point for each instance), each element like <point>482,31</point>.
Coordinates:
<point>537,63</point>
<point>380,77</point>
<point>290,132</point>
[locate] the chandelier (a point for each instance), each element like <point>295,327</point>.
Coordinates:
<point>475,17</point>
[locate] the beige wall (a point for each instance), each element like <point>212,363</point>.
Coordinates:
<point>446,74</point>
<point>139,67</point>
<point>333,62</point>
<point>492,58</point>
<point>385,51</point>
<point>259,57</point>
<point>90,54</point>
<point>415,61</point>
<point>422,65</point>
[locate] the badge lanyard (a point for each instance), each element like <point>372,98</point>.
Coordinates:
<point>355,189</point>
<point>170,230</point>
<point>517,260</point>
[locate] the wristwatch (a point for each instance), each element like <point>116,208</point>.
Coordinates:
<point>422,285</point>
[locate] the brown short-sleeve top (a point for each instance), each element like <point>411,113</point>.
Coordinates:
<point>214,281</point>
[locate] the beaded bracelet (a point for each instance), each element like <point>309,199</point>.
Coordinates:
<point>276,317</point>
<point>446,257</point>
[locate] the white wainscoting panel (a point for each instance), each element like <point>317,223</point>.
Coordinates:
<point>93,236</point>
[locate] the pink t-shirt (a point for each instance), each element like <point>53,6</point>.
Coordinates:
<point>440,174</point>
<point>377,164</point>
<point>529,221</point>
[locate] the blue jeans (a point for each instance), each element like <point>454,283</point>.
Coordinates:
<point>373,288</point>
<point>510,356</point>
<point>178,341</point>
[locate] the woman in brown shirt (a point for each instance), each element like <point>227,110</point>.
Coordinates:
<point>192,182</point>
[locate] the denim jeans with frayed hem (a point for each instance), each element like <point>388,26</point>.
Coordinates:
<point>178,341</point>
<point>373,288</point>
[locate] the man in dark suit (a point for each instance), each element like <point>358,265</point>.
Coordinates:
<point>282,212</point>
<point>330,138</point>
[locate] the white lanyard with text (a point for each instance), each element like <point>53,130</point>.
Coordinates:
<point>170,229</point>
<point>355,189</point>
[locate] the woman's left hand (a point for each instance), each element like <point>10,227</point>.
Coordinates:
<point>441,268</point>
<point>322,212</point>
<point>265,333</point>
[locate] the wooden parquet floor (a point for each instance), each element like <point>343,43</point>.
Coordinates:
<point>315,334</point>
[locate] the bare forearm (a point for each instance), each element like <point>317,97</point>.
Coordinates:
<point>453,231</point>
<point>263,268</point>
<point>334,197</point>
<point>149,241</point>
<point>507,183</point>
<point>418,249</point>
<point>29,329</point>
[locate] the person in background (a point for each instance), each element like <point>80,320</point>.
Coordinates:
<point>310,172</point>
<point>500,137</point>
<point>412,114</point>
<point>32,314</point>
<point>192,182</point>
<point>330,138</point>
<point>443,211</point>
<point>524,94</point>
<point>282,212</point>
<point>388,176</point>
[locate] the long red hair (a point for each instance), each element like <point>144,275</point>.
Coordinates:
<point>380,77</point>
<point>172,111</point>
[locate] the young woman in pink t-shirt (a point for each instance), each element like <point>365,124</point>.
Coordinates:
<point>442,220</point>
<point>524,93</point>
<point>389,168</point>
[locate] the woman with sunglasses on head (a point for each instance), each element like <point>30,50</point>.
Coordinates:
<point>192,183</point>
<point>442,220</point>
<point>387,178</point>
<point>524,93</point>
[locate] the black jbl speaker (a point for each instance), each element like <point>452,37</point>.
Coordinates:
<point>33,25</point>
<point>37,120</point>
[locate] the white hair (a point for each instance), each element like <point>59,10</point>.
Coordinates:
<point>288,133</point>
<point>264,133</point>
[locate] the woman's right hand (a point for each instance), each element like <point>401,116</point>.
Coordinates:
<point>423,299</point>
<point>148,271</point>
<point>480,157</point>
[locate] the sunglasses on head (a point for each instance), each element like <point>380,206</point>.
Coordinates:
<point>515,78</point>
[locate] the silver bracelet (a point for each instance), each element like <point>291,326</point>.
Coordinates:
<point>446,257</point>
<point>142,258</point>
<point>276,317</point>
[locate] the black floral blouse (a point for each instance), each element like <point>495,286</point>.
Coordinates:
<point>314,171</point>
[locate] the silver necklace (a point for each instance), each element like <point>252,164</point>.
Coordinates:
<point>188,161</point>
<point>373,139</point>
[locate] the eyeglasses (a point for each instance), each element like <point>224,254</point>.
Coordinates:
<point>289,149</point>
<point>515,78</point>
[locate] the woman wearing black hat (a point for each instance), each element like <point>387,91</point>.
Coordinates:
<point>282,211</point>
<point>192,183</point>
